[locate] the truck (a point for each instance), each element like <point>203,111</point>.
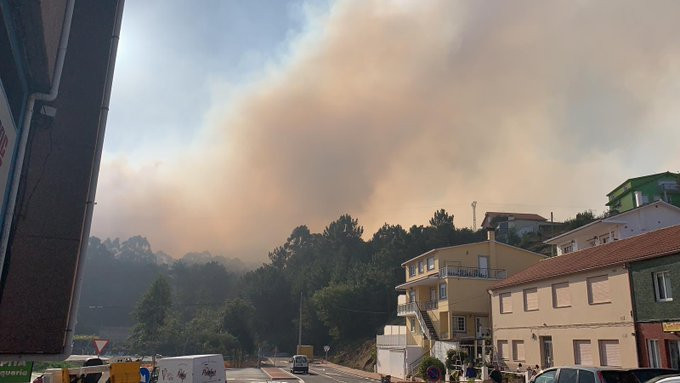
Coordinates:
<point>192,369</point>
<point>306,350</point>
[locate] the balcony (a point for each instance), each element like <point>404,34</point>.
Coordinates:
<point>407,309</point>
<point>472,272</point>
<point>412,308</point>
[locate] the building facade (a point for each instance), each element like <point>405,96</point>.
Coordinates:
<point>506,224</point>
<point>657,310</point>
<point>578,309</point>
<point>634,222</point>
<point>445,297</point>
<point>635,192</point>
<point>577,319</point>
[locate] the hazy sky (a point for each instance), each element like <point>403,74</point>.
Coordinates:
<point>233,122</point>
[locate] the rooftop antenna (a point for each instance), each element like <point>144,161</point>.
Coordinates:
<point>474,215</point>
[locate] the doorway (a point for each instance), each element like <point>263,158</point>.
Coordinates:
<point>546,352</point>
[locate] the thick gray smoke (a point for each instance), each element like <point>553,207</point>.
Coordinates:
<point>389,110</point>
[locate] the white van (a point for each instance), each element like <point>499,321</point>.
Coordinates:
<point>192,369</point>
<point>299,363</point>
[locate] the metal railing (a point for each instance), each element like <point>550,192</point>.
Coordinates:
<point>407,308</point>
<point>472,272</point>
<point>429,305</point>
<point>414,308</point>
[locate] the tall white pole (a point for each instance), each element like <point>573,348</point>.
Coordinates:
<point>474,215</point>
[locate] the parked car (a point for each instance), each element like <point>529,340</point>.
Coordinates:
<point>299,363</point>
<point>644,374</point>
<point>675,378</point>
<point>582,374</point>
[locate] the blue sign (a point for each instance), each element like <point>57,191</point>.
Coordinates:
<point>146,374</point>
<point>433,374</point>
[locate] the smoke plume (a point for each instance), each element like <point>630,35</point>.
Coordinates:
<point>390,110</point>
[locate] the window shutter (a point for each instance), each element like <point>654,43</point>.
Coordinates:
<point>598,290</point>
<point>583,353</point>
<point>531,299</point>
<point>610,355</point>
<point>506,302</point>
<point>503,349</point>
<point>518,350</point>
<point>561,296</point>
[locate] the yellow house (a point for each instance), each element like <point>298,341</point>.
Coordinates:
<point>445,294</point>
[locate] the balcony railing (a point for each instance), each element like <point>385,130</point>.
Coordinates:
<point>407,308</point>
<point>472,272</point>
<point>429,305</point>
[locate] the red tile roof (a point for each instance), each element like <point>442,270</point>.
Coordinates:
<point>649,245</point>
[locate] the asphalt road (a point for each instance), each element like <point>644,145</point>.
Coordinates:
<point>317,374</point>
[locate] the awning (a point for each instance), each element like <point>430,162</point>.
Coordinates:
<point>430,279</point>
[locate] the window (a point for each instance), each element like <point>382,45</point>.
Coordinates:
<point>653,353</point>
<point>411,295</point>
<point>583,353</point>
<point>459,324</point>
<point>531,299</point>
<point>662,286</point>
<point>506,303</point>
<point>430,263</point>
<point>442,291</point>
<point>518,350</point>
<point>412,270</point>
<point>585,376</point>
<point>598,290</point>
<point>561,296</point>
<point>503,349</point>
<point>610,355</point>
<point>567,375</point>
<point>546,377</point>
<point>420,267</point>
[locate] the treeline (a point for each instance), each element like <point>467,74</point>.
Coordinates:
<point>201,303</point>
<point>345,284</point>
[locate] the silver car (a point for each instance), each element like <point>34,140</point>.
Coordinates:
<point>582,374</point>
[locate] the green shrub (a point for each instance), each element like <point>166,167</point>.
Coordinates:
<point>428,362</point>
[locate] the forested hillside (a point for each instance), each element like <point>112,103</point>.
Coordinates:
<point>202,303</point>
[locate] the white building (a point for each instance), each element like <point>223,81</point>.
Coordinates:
<point>633,222</point>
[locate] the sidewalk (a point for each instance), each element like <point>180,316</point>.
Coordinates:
<point>352,371</point>
<point>362,373</point>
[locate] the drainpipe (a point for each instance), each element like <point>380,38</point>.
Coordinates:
<point>94,174</point>
<point>633,315</point>
<point>21,148</point>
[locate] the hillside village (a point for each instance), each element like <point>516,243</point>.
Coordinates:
<point>604,299</point>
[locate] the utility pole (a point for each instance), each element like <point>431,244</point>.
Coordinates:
<point>474,215</point>
<point>300,324</point>
<point>552,234</point>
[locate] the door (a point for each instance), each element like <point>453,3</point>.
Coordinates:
<point>483,266</point>
<point>546,352</point>
<point>433,295</point>
<point>482,327</point>
<point>674,354</point>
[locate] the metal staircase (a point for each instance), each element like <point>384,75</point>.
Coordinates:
<point>431,333</point>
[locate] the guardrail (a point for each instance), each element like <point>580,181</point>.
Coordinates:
<point>472,272</point>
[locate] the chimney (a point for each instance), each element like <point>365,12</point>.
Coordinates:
<point>491,234</point>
